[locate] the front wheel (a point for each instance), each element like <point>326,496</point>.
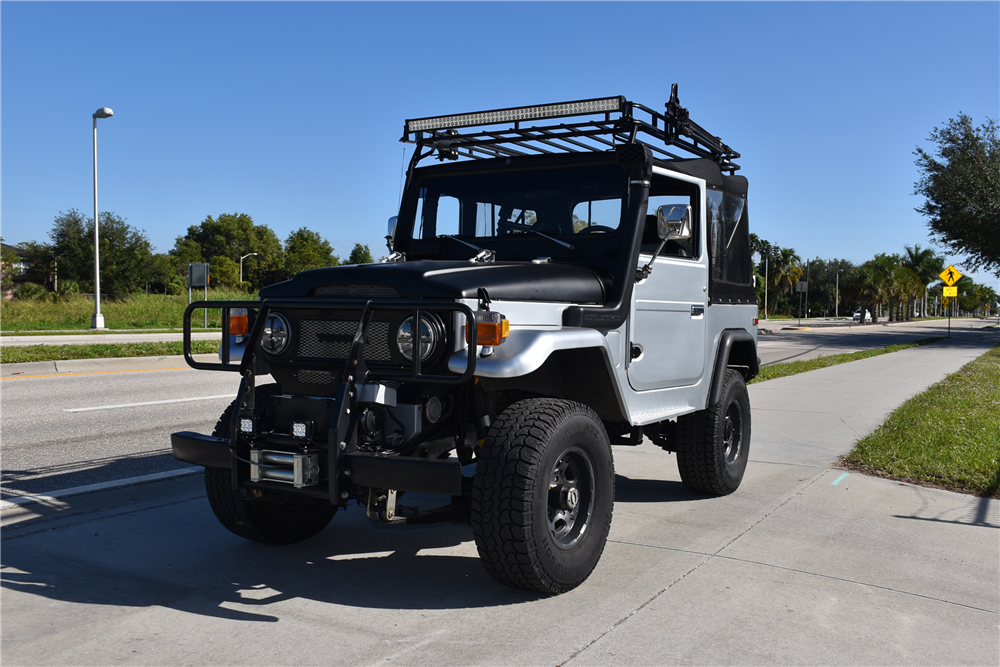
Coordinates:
<point>713,446</point>
<point>543,495</point>
<point>270,518</point>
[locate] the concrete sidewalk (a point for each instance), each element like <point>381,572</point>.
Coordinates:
<point>802,565</point>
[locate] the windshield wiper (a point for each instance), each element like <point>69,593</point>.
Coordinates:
<point>485,255</point>
<point>529,228</point>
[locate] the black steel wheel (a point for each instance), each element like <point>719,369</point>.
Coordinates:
<point>270,518</point>
<point>713,446</point>
<point>543,495</point>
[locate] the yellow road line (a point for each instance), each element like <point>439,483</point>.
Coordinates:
<point>59,375</point>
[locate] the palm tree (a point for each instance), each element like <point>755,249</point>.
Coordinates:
<point>926,263</point>
<point>785,269</point>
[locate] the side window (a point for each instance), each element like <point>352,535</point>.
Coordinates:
<point>650,239</point>
<point>602,215</point>
<point>437,215</point>
<point>730,238</point>
<point>716,233</point>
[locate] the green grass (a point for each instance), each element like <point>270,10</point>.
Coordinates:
<point>775,371</point>
<point>947,436</point>
<point>102,332</point>
<point>15,355</point>
<point>141,311</point>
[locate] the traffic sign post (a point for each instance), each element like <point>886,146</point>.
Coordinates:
<point>950,276</point>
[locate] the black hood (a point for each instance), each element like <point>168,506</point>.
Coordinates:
<point>516,281</point>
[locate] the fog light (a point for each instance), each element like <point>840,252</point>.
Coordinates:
<point>301,429</point>
<point>246,425</point>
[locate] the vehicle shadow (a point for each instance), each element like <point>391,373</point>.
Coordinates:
<point>629,490</point>
<point>41,480</point>
<point>179,557</point>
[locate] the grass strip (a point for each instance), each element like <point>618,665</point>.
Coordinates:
<point>16,355</point>
<point>101,332</point>
<point>138,311</point>
<point>947,436</point>
<point>787,368</point>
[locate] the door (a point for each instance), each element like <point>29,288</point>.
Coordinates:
<point>667,329</point>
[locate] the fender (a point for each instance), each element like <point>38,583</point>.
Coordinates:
<point>525,350</point>
<point>727,341</point>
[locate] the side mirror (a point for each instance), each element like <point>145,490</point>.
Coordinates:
<point>673,222</point>
<point>390,236</point>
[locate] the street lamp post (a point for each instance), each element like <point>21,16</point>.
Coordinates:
<point>98,320</point>
<point>836,305</point>
<point>241,263</point>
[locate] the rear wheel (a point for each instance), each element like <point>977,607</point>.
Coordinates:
<point>271,518</point>
<point>543,495</point>
<point>713,446</point>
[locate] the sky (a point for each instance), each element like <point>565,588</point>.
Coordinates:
<point>292,112</point>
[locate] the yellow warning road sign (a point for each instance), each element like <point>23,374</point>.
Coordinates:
<point>944,301</point>
<point>950,276</point>
<point>951,291</point>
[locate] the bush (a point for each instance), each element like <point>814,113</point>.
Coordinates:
<point>30,292</point>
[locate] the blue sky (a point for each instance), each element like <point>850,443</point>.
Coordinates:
<point>291,112</point>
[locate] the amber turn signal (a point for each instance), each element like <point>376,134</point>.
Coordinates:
<point>491,328</point>
<point>239,322</point>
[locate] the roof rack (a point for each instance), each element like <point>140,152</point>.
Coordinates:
<point>617,122</point>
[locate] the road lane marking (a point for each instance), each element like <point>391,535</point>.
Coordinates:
<point>839,479</point>
<point>134,405</point>
<point>59,375</point>
<point>102,486</point>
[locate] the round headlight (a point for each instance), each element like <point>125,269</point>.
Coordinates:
<point>431,335</point>
<point>276,334</point>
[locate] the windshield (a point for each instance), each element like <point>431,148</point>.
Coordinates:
<point>563,202</point>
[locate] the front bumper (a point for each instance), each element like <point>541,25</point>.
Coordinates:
<point>364,470</point>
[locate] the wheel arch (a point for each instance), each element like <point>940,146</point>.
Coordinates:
<point>737,349</point>
<point>583,375</point>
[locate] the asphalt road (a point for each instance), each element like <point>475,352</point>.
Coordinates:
<point>74,430</point>
<point>67,431</point>
<point>788,345</point>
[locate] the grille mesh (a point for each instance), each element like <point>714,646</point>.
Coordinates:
<point>314,377</point>
<point>331,339</point>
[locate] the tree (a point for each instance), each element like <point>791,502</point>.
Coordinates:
<point>926,263</point>
<point>960,181</point>
<point>223,272</point>
<point>306,249</point>
<point>233,235</point>
<point>125,254</point>
<point>8,261</point>
<point>785,270</point>
<point>360,255</point>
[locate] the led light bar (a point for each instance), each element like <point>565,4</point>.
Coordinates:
<point>583,107</point>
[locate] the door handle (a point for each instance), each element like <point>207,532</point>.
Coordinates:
<point>697,311</point>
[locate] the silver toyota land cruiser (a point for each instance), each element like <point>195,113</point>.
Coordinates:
<point>563,278</point>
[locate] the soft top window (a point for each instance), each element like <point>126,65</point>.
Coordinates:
<point>729,243</point>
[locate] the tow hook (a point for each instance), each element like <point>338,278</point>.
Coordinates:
<point>382,508</point>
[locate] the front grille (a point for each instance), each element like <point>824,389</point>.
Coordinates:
<point>331,339</point>
<point>314,377</point>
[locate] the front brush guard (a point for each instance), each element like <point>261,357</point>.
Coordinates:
<point>385,472</point>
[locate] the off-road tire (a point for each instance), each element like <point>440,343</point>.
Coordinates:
<point>275,519</point>
<point>713,445</point>
<point>541,453</point>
